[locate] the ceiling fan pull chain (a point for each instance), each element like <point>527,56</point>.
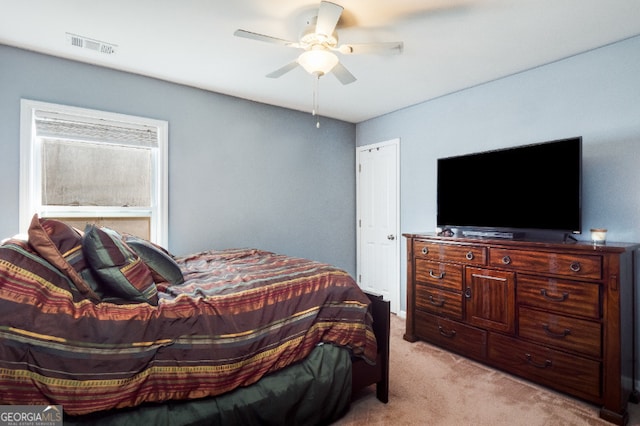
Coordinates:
<point>315,111</point>
<point>315,95</point>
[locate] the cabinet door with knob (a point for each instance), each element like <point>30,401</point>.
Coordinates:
<point>490,299</point>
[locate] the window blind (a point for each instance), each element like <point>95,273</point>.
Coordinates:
<point>62,126</point>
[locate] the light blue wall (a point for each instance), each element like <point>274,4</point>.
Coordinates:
<point>241,174</point>
<point>595,95</point>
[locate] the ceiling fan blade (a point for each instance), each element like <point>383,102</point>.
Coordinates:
<point>283,70</point>
<point>390,48</point>
<point>328,17</point>
<point>265,38</point>
<point>343,74</point>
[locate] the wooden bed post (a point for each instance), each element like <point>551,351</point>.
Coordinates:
<point>364,374</point>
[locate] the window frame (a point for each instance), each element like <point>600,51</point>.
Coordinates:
<point>31,172</point>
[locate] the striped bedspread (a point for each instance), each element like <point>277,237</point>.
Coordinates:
<point>239,315</point>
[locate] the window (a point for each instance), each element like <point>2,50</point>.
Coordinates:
<point>81,165</point>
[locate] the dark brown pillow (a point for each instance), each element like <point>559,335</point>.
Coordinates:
<point>61,245</point>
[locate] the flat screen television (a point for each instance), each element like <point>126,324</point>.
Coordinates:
<point>524,188</point>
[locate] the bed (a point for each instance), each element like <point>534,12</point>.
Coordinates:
<point>115,330</point>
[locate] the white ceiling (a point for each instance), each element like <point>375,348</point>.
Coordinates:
<point>449,45</point>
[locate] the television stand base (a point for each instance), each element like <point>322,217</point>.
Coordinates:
<point>494,234</point>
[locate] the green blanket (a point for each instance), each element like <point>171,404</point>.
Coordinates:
<point>312,392</point>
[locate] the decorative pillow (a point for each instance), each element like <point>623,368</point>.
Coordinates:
<point>31,275</point>
<point>61,245</point>
<point>117,266</point>
<point>163,267</point>
<point>17,237</point>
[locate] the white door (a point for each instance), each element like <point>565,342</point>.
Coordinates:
<point>378,220</point>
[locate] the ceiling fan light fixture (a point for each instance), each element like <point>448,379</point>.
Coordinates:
<point>318,61</point>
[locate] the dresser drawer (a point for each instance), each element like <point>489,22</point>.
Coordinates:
<point>466,254</point>
<point>569,265</point>
<point>451,335</point>
<point>571,374</point>
<point>440,302</point>
<point>567,297</point>
<point>446,275</point>
<point>567,333</point>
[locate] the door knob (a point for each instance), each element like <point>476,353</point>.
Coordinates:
<point>391,237</point>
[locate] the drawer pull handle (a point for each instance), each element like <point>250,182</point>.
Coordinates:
<point>425,250</point>
<point>437,277</point>
<point>562,298</point>
<point>575,266</point>
<point>446,333</point>
<point>547,362</point>
<point>438,303</point>
<point>562,335</point>
<point>469,256</point>
<point>506,260</point>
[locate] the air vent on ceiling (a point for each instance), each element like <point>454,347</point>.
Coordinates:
<point>91,44</point>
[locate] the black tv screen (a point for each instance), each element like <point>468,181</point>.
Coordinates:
<point>530,187</point>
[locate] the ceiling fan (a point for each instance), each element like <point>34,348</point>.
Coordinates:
<point>319,40</point>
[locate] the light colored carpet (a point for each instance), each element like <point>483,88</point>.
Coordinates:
<point>430,386</point>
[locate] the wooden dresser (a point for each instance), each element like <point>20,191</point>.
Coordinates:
<point>561,315</point>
